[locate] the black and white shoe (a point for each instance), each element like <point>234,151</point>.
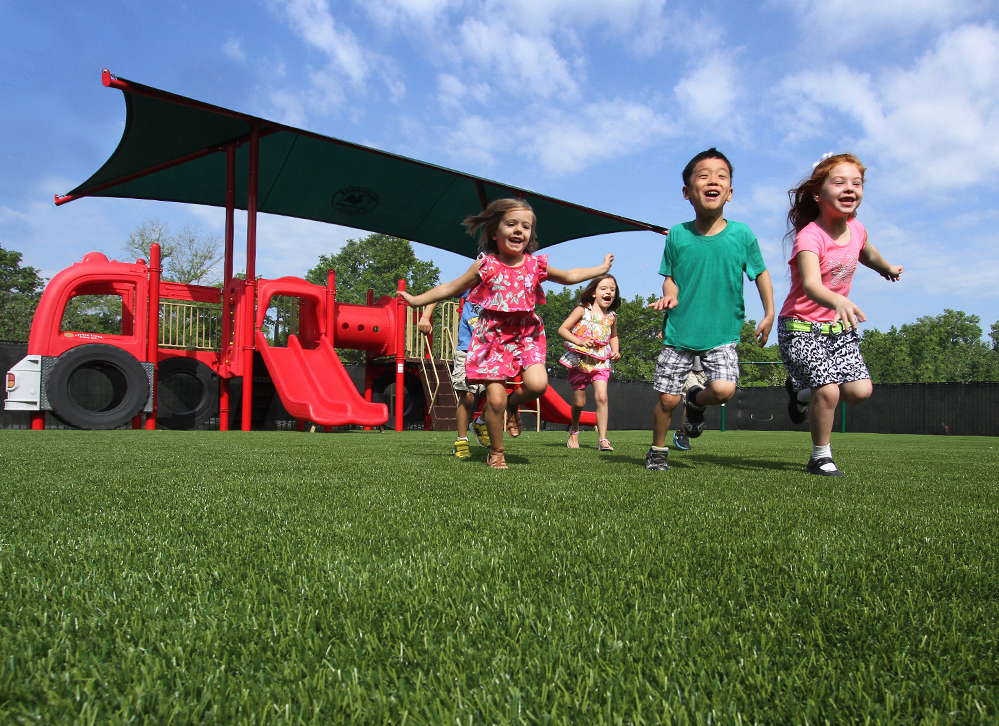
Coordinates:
<point>815,467</point>
<point>694,423</point>
<point>794,408</point>
<point>657,460</point>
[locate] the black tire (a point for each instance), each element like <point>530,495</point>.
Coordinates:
<point>413,411</point>
<point>97,387</point>
<point>187,393</point>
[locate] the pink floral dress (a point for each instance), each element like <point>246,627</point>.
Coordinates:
<point>510,336</point>
<point>596,327</point>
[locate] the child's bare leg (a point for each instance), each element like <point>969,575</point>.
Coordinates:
<point>661,416</point>
<point>466,402</point>
<point>578,401</point>
<point>534,383</point>
<point>600,397</point>
<point>856,391</point>
<point>821,412</point>
<point>716,393</point>
<point>493,414</point>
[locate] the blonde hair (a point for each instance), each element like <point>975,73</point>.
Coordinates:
<point>487,222</point>
<point>804,208</point>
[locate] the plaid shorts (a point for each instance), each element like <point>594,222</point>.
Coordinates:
<point>814,358</point>
<point>673,367</point>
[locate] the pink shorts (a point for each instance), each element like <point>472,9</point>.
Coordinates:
<point>578,380</point>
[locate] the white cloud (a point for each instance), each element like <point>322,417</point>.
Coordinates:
<point>475,139</point>
<point>935,126</point>
<point>596,133</point>
<point>351,65</point>
<point>832,22</point>
<point>233,48</point>
<point>707,95</point>
<point>521,63</point>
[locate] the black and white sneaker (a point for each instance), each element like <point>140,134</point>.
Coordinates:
<point>794,408</point>
<point>815,467</point>
<point>657,460</point>
<point>694,423</point>
<point>681,441</point>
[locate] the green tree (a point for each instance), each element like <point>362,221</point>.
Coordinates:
<point>638,331</point>
<point>887,355</point>
<point>376,262</point>
<point>949,348</point>
<point>769,373</point>
<point>190,257</point>
<point>20,291</point>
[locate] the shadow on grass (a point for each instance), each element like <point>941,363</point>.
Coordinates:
<point>745,464</point>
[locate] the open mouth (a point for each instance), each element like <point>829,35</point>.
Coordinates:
<point>712,194</point>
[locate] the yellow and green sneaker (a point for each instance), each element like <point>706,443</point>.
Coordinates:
<point>461,449</point>
<point>481,433</point>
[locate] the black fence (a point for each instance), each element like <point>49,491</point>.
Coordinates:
<point>969,409</point>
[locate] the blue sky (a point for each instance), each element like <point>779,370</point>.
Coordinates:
<point>600,103</point>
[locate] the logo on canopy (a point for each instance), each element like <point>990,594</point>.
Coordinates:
<point>354,200</point>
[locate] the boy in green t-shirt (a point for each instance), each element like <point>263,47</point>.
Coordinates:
<point>703,265</point>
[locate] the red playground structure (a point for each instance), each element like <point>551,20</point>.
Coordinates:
<point>217,340</point>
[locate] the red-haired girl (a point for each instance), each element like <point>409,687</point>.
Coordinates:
<point>817,327</point>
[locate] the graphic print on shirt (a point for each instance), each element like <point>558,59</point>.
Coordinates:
<point>841,269</point>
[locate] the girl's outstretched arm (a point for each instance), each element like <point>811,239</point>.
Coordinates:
<point>445,290</point>
<point>565,329</point>
<point>579,274</point>
<point>870,257</point>
<point>811,281</point>
<point>766,290</point>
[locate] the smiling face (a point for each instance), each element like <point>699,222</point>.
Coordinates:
<point>841,192</point>
<point>710,186</point>
<point>513,234</point>
<point>605,293</point>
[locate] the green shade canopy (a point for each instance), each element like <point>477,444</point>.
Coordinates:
<point>173,149</point>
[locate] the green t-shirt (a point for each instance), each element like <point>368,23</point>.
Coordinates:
<point>708,271</point>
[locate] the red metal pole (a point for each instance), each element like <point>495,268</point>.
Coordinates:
<point>250,299</point>
<point>331,307</point>
<point>368,373</point>
<point>37,420</point>
<point>400,355</point>
<point>153,326</point>
<point>230,231</point>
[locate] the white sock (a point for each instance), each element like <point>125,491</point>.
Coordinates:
<point>462,438</point>
<point>822,452</point>
<point>478,420</point>
<point>660,448</point>
<point>805,395</point>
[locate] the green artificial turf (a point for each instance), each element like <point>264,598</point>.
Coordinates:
<point>205,577</point>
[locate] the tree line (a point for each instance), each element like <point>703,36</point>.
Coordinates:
<point>944,348</point>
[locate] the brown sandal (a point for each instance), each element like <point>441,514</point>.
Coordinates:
<point>513,423</point>
<point>496,460</point>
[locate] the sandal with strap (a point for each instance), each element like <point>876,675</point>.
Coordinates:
<point>513,423</point>
<point>604,445</point>
<point>496,460</point>
<point>573,442</point>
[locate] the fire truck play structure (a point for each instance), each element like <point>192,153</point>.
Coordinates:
<point>179,149</point>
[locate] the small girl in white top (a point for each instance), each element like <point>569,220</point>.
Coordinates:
<point>590,334</point>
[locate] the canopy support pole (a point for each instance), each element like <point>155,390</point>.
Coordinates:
<point>250,297</point>
<point>230,227</point>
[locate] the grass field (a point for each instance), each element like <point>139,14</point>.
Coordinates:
<point>167,577</point>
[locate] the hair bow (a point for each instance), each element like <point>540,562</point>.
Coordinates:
<point>822,158</point>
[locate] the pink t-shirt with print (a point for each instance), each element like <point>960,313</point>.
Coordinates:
<point>837,264</point>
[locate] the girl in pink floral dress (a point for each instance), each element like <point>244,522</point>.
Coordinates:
<point>510,338</point>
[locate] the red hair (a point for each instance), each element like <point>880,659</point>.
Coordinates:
<point>804,208</point>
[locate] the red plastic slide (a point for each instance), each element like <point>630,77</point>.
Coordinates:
<point>554,409</point>
<point>314,386</point>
